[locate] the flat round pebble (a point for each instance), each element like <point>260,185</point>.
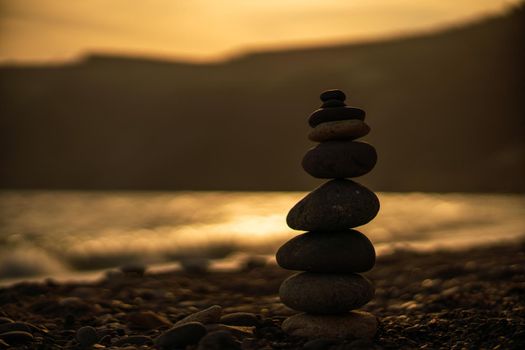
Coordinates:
<point>87,336</point>
<point>323,115</point>
<point>334,94</point>
<point>339,130</point>
<point>180,336</point>
<point>355,324</point>
<point>333,251</point>
<point>340,159</point>
<point>333,103</point>
<point>336,205</point>
<point>325,293</point>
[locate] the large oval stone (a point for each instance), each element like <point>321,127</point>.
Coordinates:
<point>340,159</point>
<point>336,205</point>
<point>339,130</point>
<point>335,113</point>
<point>339,251</point>
<point>325,293</point>
<point>355,324</point>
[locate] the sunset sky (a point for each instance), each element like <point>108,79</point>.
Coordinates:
<point>51,30</point>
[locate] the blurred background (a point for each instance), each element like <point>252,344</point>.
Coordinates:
<point>128,128</point>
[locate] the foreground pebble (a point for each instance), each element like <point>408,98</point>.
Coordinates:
<point>147,320</point>
<point>240,319</point>
<point>206,316</point>
<point>87,336</point>
<point>180,336</point>
<point>325,293</point>
<point>338,251</point>
<point>336,205</point>
<point>356,324</point>
<point>17,337</point>
<point>218,340</point>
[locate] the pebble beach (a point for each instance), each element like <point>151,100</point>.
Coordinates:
<point>464,299</point>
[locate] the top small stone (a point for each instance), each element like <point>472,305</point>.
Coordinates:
<point>333,95</point>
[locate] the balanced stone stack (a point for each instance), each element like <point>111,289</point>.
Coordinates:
<point>331,253</point>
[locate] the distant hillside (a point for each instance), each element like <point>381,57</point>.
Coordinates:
<point>446,110</point>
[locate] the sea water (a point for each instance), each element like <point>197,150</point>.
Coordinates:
<point>48,233</point>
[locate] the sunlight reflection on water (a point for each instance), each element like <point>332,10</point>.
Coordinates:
<point>82,230</point>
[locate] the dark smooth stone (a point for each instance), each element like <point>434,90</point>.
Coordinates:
<point>147,320</point>
<point>319,344</point>
<point>340,159</point>
<point>336,113</point>
<point>336,205</point>
<point>339,130</point>
<point>17,337</point>
<point>180,336</point>
<point>6,320</point>
<point>87,336</point>
<point>355,324</point>
<point>240,319</point>
<point>219,340</point>
<point>206,316</point>
<point>333,103</point>
<point>14,326</point>
<point>338,251</point>
<point>133,340</point>
<point>326,293</point>
<point>334,94</point>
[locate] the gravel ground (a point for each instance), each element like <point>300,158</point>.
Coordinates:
<point>442,300</point>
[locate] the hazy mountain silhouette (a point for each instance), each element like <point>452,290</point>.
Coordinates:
<point>446,111</point>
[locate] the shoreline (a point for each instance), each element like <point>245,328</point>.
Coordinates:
<point>444,299</point>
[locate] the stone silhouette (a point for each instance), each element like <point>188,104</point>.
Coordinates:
<point>332,253</point>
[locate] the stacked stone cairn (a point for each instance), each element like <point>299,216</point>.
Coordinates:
<point>332,253</point>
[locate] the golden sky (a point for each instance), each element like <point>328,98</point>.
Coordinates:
<point>51,30</point>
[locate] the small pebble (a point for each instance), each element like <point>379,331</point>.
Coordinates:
<point>147,320</point>
<point>87,336</point>
<point>133,340</point>
<point>218,340</point>
<point>319,344</point>
<point>180,336</point>
<point>339,130</point>
<point>17,337</point>
<point>14,326</point>
<point>324,115</point>
<point>206,316</point>
<point>240,319</point>
<point>334,94</point>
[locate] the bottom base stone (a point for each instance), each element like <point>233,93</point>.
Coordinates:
<point>355,324</point>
